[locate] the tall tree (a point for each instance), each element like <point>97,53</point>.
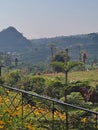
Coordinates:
<point>16,62</point>
<point>51,46</point>
<point>66,67</point>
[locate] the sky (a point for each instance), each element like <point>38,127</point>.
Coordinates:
<point>49,18</point>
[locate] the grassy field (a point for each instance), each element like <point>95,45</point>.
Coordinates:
<point>91,75</point>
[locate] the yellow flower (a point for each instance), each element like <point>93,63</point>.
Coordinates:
<point>16,114</point>
<point>84,120</point>
<point>6,100</point>
<point>2,122</point>
<point>18,108</point>
<point>0,99</point>
<point>29,127</point>
<point>1,126</point>
<point>7,111</point>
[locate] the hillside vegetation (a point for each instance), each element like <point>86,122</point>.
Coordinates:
<point>38,50</point>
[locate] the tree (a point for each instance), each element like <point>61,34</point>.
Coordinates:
<point>51,46</point>
<point>13,77</point>
<point>54,88</point>
<point>8,60</point>
<point>16,62</point>
<point>66,67</point>
<point>61,56</point>
<point>83,56</point>
<point>34,83</point>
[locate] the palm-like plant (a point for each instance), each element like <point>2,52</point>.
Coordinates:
<point>66,67</point>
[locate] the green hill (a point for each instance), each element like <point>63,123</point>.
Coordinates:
<point>75,44</point>
<point>37,50</point>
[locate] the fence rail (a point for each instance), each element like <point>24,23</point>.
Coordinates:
<point>23,110</point>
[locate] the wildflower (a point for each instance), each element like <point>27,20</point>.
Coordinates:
<point>1,126</point>
<point>18,108</point>
<point>6,100</point>
<point>0,99</point>
<point>84,120</point>
<point>7,111</point>
<point>2,123</point>
<point>29,127</point>
<point>15,114</point>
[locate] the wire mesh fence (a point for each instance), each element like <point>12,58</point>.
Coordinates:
<point>22,110</point>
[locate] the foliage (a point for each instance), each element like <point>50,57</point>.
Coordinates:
<point>66,66</point>
<point>54,88</point>
<point>2,80</point>
<point>36,50</point>
<point>13,77</point>
<point>75,98</point>
<point>60,56</point>
<point>40,116</point>
<point>34,83</point>
<point>73,85</point>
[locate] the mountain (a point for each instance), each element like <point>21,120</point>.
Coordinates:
<point>13,41</point>
<point>75,44</point>
<point>37,50</point>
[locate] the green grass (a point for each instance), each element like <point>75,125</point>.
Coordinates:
<point>91,76</point>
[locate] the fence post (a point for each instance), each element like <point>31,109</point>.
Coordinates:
<point>53,116</point>
<point>22,111</point>
<point>67,126</point>
<point>96,120</point>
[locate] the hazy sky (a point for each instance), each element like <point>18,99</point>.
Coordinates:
<point>49,18</point>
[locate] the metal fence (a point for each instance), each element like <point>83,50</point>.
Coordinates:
<point>23,110</point>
